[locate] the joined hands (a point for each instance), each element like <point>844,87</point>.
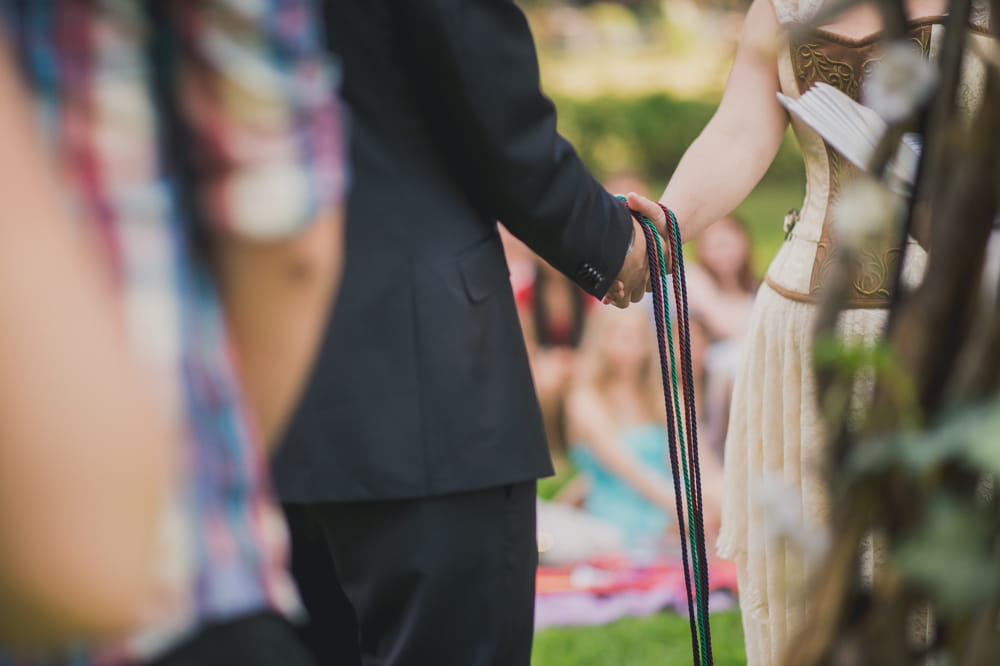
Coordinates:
<point>633,279</point>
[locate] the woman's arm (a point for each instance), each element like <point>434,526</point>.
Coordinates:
<point>84,447</point>
<point>589,422</point>
<point>733,152</point>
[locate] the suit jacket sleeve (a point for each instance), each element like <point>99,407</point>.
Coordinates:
<point>474,67</point>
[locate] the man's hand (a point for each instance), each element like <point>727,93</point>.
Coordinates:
<point>633,280</point>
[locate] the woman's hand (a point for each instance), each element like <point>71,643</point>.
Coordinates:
<point>638,259</point>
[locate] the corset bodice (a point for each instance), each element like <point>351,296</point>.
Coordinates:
<point>803,263</point>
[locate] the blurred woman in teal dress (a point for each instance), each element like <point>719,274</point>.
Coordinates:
<point>616,422</point>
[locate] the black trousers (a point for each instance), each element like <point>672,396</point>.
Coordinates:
<point>440,581</point>
<point>265,639</point>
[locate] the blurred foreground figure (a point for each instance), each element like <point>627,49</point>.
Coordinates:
<point>77,426</point>
<point>198,150</point>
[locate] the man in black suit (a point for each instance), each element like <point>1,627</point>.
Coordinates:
<point>409,471</point>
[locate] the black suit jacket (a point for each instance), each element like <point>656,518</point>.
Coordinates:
<point>422,386</point>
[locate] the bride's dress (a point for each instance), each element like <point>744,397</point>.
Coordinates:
<point>776,437</point>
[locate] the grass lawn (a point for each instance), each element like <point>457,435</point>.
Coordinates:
<point>658,640</point>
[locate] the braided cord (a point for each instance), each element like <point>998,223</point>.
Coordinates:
<point>654,254</point>
<point>676,401</point>
<point>681,416</point>
<point>684,423</point>
<point>684,333</point>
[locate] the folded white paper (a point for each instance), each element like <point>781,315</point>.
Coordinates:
<point>854,131</point>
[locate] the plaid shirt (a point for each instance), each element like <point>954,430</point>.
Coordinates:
<point>244,88</point>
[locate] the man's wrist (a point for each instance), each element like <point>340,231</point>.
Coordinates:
<point>631,240</point>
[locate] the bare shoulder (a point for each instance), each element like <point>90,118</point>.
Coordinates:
<point>782,11</point>
<point>764,28</point>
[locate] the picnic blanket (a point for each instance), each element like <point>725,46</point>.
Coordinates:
<point>606,589</point>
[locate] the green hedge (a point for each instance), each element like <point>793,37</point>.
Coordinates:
<point>648,135</point>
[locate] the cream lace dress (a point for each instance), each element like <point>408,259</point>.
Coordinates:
<point>775,505</point>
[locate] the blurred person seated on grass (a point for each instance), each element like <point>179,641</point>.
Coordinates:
<point>721,289</point>
<point>84,444</point>
<point>552,311</point>
<point>616,423</point>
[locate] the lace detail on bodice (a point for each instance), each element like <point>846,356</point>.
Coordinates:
<point>979,20</point>
<point>796,11</point>
<point>802,11</point>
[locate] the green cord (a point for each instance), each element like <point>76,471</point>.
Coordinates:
<point>680,421</point>
<point>703,608</point>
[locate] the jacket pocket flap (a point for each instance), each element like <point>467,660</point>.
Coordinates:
<point>484,268</point>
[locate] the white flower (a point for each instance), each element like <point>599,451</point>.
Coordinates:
<point>781,506</point>
<point>781,503</point>
<point>865,209</point>
<point>900,81</point>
